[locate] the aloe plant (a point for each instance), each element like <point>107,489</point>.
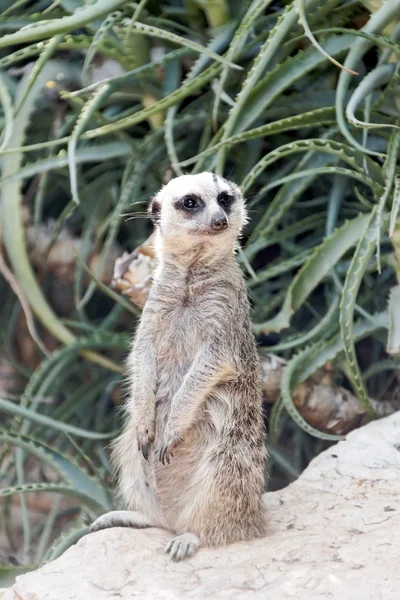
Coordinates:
<point>298,102</point>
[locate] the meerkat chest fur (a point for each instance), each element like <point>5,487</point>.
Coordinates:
<point>188,302</point>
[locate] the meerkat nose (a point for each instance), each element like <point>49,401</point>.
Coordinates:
<point>220,223</point>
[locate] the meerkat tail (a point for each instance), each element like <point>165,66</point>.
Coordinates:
<point>121,518</point>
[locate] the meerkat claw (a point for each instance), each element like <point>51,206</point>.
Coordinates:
<point>165,452</point>
<point>145,450</point>
<point>164,455</point>
<point>143,445</point>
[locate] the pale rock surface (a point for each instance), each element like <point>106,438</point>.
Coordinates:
<point>334,533</point>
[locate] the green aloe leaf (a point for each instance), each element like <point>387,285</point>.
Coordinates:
<point>239,39</point>
<point>6,103</point>
<point>285,199</point>
<point>389,168</point>
<point>176,39</point>
<point>317,267</point>
<point>175,97</point>
<point>290,379</point>
<point>375,79</point>
<point>286,74</point>
<point>394,213</point>
<point>305,363</point>
<point>330,350</point>
<point>319,116</point>
<point>63,465</point>
<point>90,154</point>
<point>48,28</point>
<point>393,345</point>
<point>352,284</point>
<point>65,541</point>
<point>34,416</point>
<point>301,9</point>
<point>13,229</point>
<point>388,12</point>
<point>378,40</point>
<point>55,488</point>
<point>347,153</point>
<point>96,44</point>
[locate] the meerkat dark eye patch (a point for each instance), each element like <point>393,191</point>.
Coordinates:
<point>225,200</point>
<point>190,203</point>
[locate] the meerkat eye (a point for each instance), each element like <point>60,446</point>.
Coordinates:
<point>225,199</point>
<point>190,202</point>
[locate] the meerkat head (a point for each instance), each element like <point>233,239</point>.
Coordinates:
<point>196,209</point>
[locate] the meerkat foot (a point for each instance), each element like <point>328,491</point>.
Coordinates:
<point>121,518</point>
<point>182,546</point>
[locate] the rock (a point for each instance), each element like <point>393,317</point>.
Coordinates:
<point>334,533</point>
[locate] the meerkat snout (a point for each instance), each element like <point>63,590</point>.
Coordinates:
<point>194,206</point>
<point>219,222</point>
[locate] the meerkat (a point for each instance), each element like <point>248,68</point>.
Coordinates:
<point>192,455</point>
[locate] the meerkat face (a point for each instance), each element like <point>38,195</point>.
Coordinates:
<point>196,208</point>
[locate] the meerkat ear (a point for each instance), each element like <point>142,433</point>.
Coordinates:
<point>155,211</point>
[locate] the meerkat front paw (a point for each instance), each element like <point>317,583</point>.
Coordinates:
<point>145,435</point>
<point>182,546</point>
<point>171,440</point>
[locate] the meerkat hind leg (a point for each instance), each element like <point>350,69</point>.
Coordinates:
<point>121,518</point>
<point>182,546</point>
